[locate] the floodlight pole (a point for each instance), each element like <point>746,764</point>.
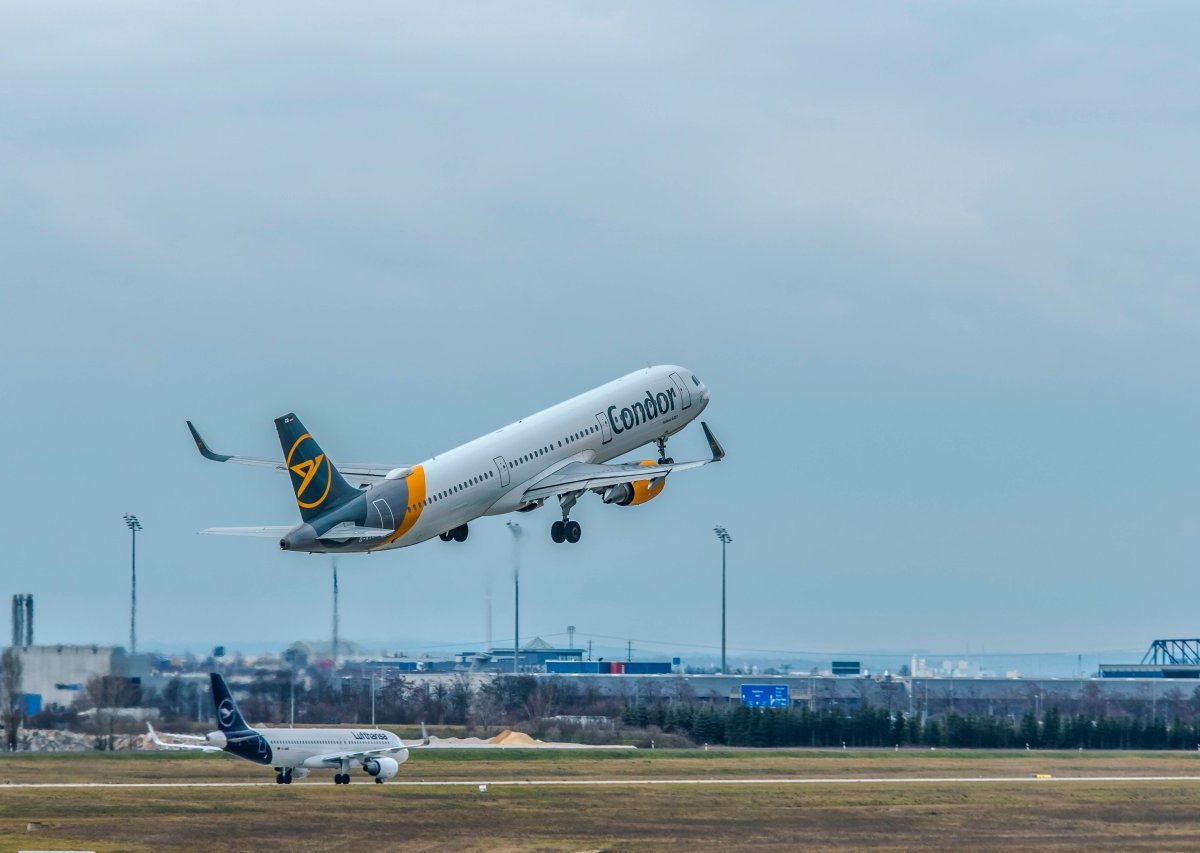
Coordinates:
<point>725,538</point>
<point>515,530</point>
<point>131,521</point>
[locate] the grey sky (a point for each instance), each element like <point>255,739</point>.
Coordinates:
<point>936,263</point>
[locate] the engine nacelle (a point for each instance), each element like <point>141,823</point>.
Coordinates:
<point>383,767</point>
<point>299,772</point>
<point>637,492</point>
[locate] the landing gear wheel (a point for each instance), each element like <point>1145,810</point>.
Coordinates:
<point>459,533</point>
<point>279,778</point>
<point>287,780</point>
<point>573,531</point>
<point>378,781</point>
<point>663,458</point>
<point>445,537</point>
<point>557,531</point>
<point>341,779</point>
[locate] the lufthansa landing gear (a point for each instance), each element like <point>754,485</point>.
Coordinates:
<point>283,777</point>
<point>458,534</point>
<point>341,779</point>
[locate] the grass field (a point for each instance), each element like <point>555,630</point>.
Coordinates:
<point>317,815</point>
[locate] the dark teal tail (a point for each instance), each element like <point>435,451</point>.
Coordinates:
<point>319,486</point>
<point>229,718</point>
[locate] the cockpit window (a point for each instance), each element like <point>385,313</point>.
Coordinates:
<point>695,381</point>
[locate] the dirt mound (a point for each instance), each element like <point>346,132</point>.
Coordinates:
<point>510,738</point>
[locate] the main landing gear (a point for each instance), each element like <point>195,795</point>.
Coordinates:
<point>663,458</point>
<point>458,534</point>
<point>283,776</point>
<point>566,530</point>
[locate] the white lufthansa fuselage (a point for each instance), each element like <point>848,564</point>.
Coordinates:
<point>311,748</point>
<point>489,475</point>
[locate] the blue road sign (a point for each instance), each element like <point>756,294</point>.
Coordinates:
<point>765,695</point>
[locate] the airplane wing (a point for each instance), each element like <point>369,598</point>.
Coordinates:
<point>581,476</point>
<point>334,758</point>
<point>363,472</point>
<point>190,742</point>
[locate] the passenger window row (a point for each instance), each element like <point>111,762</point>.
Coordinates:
<point>541,451</point>
<point>445,493</point>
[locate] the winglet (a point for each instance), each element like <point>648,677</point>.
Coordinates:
<point>203,447</point>
<point>718,451</point>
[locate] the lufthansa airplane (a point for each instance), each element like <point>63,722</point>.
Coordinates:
<point>294,752</point>
<point>562,452</point>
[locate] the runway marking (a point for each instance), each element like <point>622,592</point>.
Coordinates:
<point>532,783</point>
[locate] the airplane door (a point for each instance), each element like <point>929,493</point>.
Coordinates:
<point>685,396</point>
<point>605,427</point>
<point>502,470</point>
<point>387,521</point>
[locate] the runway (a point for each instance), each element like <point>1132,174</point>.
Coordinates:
<point>586,783</point>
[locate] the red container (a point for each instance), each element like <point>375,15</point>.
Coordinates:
<point>616,667</point>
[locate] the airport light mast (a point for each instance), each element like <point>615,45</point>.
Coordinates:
<point>131,521</point>
<point>515,530</point>
<point>725,538</point>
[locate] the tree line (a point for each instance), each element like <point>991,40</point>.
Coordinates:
<point>875,727</point>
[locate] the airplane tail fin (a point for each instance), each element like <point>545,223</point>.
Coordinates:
<point>229,718</point>
<point>319,486</point>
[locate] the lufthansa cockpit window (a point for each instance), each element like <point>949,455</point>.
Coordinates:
<point>695,381</point>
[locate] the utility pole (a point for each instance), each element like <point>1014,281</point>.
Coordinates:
<point>515,530</point>
<point>725,538</point>
<point>131,521</point>
<point>335,618</point>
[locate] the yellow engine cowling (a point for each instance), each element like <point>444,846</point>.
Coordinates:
<point>637,492</point>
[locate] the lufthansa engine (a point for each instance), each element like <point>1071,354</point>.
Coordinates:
<point>383,767</point>
<point>637,492</point>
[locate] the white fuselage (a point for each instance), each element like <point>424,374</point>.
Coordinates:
<point>489,475</point>
<point>291,748</point>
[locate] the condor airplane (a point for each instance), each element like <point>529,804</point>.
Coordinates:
<point>562,452</point>
<point>294,752</point>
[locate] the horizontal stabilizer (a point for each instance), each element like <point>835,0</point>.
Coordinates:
<point>273,532</point>
<point>346,530</point>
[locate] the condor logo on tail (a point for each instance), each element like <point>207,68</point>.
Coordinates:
<point>306,471</point>
<point>318,485</point>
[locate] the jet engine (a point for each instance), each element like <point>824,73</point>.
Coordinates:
<point>383,767</point>
<point>637,492</point>
<point>299,772</point>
